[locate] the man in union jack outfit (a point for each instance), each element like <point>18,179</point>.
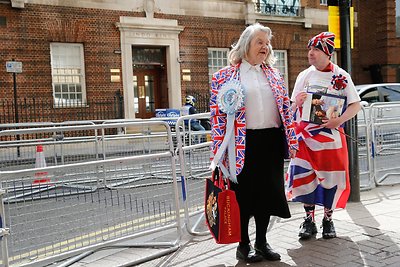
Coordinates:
<point>319,173</point>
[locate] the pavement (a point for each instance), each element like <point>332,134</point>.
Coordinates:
<point>368,235</point>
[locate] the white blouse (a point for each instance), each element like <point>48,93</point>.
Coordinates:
<point>261,109</point>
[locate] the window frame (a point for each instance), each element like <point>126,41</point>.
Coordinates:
<point>212,69</point>
<point>284,73</point>
<point>371,95</point>
<point>68,103</point>
<point>397,18</point>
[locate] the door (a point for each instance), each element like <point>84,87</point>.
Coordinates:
<point>146,87</point>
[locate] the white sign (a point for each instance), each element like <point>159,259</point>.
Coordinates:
<point>14,66</point>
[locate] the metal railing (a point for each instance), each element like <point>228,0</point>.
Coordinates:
<point>118,180</point>
<point>45,109</point>
<point>193,150</point>
<point>364,150</point>
<point>64,210</point>
<point>289,8</point>
<point>384,120</point>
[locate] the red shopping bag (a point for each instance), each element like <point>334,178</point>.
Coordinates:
<point>222,210</point>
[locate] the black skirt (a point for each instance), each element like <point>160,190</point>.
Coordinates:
<point>260,187</point>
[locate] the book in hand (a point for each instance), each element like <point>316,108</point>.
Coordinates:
<point>319,106</point>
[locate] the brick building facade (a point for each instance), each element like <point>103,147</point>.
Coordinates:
<point>378,44</point>
<point>152,51</point>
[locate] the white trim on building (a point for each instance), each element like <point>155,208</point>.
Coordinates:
<point>150,32</point>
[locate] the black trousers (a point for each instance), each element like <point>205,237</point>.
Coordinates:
<point>260,190</point>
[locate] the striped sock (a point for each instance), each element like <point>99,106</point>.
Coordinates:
<point>328,214</point>
<point>310,211</point>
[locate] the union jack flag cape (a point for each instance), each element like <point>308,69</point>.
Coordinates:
<point>319,173</point>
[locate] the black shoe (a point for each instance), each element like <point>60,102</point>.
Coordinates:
<point>307,229</point>
<point>267,252</point>
<point>247,254</point>
<point>328,229</point>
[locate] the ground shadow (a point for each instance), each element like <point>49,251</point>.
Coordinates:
<point>360,241</point>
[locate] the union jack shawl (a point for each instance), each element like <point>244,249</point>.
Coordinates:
<point>218,118</point>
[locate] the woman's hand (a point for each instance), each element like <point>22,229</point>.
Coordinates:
<point>292,153</point>
<point>300,98</point>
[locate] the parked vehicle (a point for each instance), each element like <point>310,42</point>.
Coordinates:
<point>381,92</point>
<point>385,112</point>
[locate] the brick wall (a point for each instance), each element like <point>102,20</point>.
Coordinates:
<point>377,42</point>
<point>28,33</point>
<point>27,37</point>
<point>200,34</point>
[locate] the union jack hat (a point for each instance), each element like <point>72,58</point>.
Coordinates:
<point>325,41</point>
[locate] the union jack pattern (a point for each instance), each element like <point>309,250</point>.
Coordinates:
<point>339,82</point>
<point>324,41</point>
<point>319,172</point>
<point>218,118</point>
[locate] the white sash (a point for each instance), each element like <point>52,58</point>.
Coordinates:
<point>230,99</point>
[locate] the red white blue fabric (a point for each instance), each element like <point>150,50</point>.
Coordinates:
<point>218,118</point>
<point>324,41</point>
<point>319,174</point>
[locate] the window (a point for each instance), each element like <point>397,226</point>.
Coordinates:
<point>370,96</point>
<point>397,18</point>
<point>217,59</point>
<point>68,74</point>
<point>278,8</point>
<point>148,56</point>
<point>281,64</point>
<point>390,93</point>
<point>323,2</point>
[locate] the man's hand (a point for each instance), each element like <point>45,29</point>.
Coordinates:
<point>332,123</point>
<point>300,98</point>
<point>350,112</point>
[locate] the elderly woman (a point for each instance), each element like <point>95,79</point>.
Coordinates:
<point>252,128</point>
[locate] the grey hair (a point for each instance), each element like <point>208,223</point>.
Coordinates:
<point>241,48</point>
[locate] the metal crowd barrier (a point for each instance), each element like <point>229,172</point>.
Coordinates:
<point>192,184</point>
<point>71,210</point>
<point>18,151</point>
<point>365,150</point>
<point>116,180</point>
<point>24,125</point>
<point>385,136</point>
<point>64,146</point>
<point>193,150</point>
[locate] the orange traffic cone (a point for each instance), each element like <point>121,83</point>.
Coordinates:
<point>40,177</point>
